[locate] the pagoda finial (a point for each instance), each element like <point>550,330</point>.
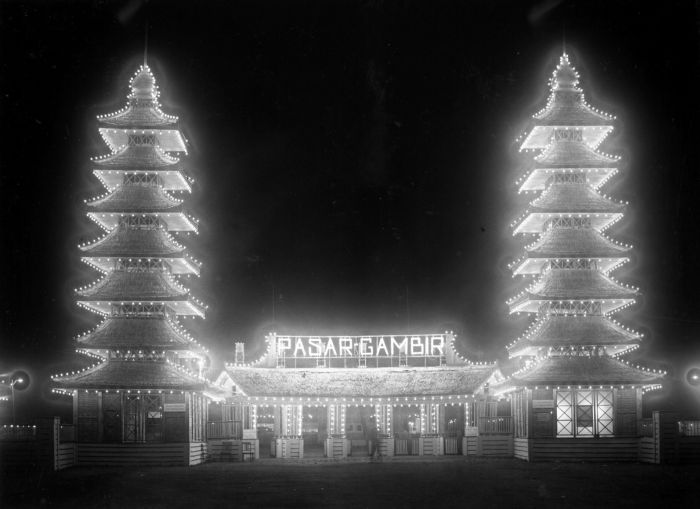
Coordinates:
<point>564,77</point>
<point>563,39</point>
<point>145,46</point>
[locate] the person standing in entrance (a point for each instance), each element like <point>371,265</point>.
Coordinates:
<point>372,438</point>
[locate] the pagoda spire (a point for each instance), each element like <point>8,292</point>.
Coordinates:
<point>140,296</point>
<point>145,45</point>
<point>574,341</point>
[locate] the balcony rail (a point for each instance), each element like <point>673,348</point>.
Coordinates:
<point>645,427</point>
<point>225,429</point>
<point>502,425</point>
<point>12,433</point>
<point>689,428</point>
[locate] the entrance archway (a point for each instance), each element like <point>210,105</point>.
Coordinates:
<point>314,430</point>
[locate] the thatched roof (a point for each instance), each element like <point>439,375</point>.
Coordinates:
<point>572,154</point>
<point>573,198</point>
<point>138,157</point>
<point>567,331</point>
<point>122,285</point>
<point>139,115</point>
<point>538,178</point>
<point>573,284</point>
<point>582,370</point>
<point>575,243</point>
<point>136,333</point>
<point>136,198</point>
<point>359,382</point>
<point>136,243</point>
<point>567,108</point>
<point>131,374</point>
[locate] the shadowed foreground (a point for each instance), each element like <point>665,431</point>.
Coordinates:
<point>404,482</point>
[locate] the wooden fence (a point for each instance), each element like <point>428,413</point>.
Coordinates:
<point>502,425</point>
<point>225,429</point>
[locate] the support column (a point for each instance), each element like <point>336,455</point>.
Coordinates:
<point>337,445</point>
<point>250,444</point>
<point>471,431</point>
<point>336,420</point>
<point>431,443</point>
<point>385,435</point>
<point>288,441</point>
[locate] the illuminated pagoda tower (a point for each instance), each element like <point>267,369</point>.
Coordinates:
<point>148,386</point>
<point>572,384</point>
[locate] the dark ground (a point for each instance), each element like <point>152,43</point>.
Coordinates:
<point>404,482</point>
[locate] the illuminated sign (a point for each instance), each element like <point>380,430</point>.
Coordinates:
<point>424,345</point>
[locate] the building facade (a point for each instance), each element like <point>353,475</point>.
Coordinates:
<point>335,395</point>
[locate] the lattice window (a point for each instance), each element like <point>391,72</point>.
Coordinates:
<point>584,413</point>
<point>573,264</point>
<point>604,412</point>
<point>566,178</point>
<point>132,419</point>
<point>141,222</point>
<point>140,265</point>
<point>571,308</point>
<point>568,222</point>
<point>153,409</point>
<point>565,415</point>
<point>139,309</point>
<point>142,139</point>
<point>568,134</point>
<point>151,179</point>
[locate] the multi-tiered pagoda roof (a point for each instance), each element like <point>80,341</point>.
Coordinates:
<point>574,340</point>
<point>142,116</point>
<point>140,297</point>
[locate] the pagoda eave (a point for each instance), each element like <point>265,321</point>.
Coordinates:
<point>131,375</point>
<point>178,307</point>
<point>171,180</point>
<point>534,265</point>
<point>176,264</point>
<point>538,177</point>
<point>535,222</point>
<point>526,349</point>
<point>581,370</point>
<point>135,198</point>
<point>175,221</point>
<point>531,303</point>
<point>130,243</point>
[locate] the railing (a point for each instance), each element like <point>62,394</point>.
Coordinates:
<point>502,425</point>
<point>225,429</point>
<point>645,427</point>
<point>67,433</point>
<point>11,433</point>
<point>689,428</point>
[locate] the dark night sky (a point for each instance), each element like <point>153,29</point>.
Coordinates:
<point>356,157</point>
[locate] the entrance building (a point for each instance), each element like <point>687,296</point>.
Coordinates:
<point>340,396</point>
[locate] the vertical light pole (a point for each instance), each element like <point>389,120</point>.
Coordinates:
<point>12,389</point>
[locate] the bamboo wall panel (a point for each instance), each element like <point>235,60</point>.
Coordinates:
<point>128,454</point>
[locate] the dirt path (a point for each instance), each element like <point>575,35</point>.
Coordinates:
<point>442,482</point>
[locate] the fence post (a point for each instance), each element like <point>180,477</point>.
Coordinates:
<point>55,440</point>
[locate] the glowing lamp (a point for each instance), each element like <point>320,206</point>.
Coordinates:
<point>693,377</point>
